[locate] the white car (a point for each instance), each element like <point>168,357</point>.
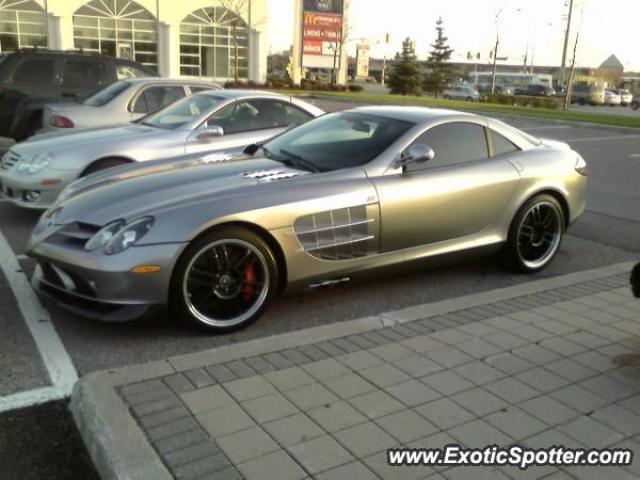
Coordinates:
<point>120,102</point>
<point>461,92</point>
<point>625,95</point>
<point>611,98</point>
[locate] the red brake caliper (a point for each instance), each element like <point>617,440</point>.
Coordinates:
<point>250,278</point>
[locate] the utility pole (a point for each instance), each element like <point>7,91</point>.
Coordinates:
<point>495,59</point>
<point>566,42</point>
<point>567,98</point>
<point>495,53</point>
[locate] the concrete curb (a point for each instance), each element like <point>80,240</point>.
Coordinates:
<point>120,449</point>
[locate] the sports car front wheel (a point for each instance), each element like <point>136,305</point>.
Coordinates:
<point>535,234</point>
<point>225,279</point>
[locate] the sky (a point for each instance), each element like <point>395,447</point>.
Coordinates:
<point>606,27</point>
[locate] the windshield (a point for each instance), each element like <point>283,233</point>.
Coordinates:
<point>183,111</point>
<point>337,140</point>
<point>104,96</point>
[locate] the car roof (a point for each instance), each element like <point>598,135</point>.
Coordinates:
<point>178,81</point>
<point>239,93</point>
<point>412,114</point>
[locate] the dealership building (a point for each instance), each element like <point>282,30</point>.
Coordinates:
<point>192,38</point>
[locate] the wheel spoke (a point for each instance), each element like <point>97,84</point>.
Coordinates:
<point>203,273</point>
<point>244,261</point>
<point>548,220</point>
<point>201,283</point>
<point>526,231</point>
<point>225,257</point>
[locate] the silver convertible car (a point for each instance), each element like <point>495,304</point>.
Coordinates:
<point>318,205</point>
<point>121,102</point>
<point>33,173</point>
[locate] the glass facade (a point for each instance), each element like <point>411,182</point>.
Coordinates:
<point>23,23</point>
<point>118,28</point>
<point>209,40</point>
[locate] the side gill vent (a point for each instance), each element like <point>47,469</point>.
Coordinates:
<point>337,234</point>
<point>272,175</point>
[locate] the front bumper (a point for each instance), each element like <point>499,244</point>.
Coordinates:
<point>14,188</point>
<point>103,287</point>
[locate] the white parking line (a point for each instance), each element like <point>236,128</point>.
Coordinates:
<point>599,139</point>
<point>57,361</point>
<point>635,155</point>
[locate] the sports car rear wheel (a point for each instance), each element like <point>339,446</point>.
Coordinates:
<point>225,279</point>
<point>535,234</point>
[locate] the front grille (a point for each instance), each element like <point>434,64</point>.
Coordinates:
<point>9,160</point>
<point>66,280</point>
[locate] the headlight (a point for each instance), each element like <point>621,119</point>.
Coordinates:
<point>105,234</point>
<point>35,165</point>
<point>128,235</point>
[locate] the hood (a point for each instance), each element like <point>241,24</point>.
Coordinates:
<point>153,187</point>
<point>52,142</point>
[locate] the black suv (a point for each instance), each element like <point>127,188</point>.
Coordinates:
<point>31,78</point>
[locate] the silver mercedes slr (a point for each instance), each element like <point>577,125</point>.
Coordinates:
<point>217,238</point>
<point>33,173</point>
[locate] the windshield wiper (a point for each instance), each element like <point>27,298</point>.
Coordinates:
<point>296,161</point>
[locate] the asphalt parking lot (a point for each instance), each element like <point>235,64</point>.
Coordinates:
<point>607,233</point>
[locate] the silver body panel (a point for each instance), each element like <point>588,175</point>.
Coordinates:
<point>73,152</point>
<point>327,226</point>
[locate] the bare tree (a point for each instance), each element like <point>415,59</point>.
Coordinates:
<point>336,45</point>
<point>238,8</point>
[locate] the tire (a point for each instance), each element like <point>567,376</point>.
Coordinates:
<point>635,105</point>
<point>535,234</point>
<point>224,280</point>
<point>581,101</point>
<point>469,99</point>
<point>447,97</point>
<point>103,165</point>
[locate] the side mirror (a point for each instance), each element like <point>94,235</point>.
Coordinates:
<point>210,133</point>
<point>416,153</point>
<point>251,149</point>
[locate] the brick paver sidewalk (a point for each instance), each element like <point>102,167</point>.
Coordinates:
<point>538,370</point>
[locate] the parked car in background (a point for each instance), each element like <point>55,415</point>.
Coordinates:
<point>121,102</point>
<point>33,173</point>
<point>318,205</point>
<point>626,97</point>
<point>635,102</point>
<point>461,92</point>
<point>485,88</point>
<point>587,94</point>
<point>32,78</point>
<point>536,91</point>
<point>611,98</point>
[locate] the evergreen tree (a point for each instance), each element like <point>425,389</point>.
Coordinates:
<point>439,68</point>
<point>406,79</point>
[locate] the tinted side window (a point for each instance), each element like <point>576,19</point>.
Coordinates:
<point>502,145</point>
<point>296,116</point>
<point>35,71</point>
<point>154,98</point>
<point>84,73</point>
<point>453,143</point>
<point>250,115</point>
<point>200,88</point>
